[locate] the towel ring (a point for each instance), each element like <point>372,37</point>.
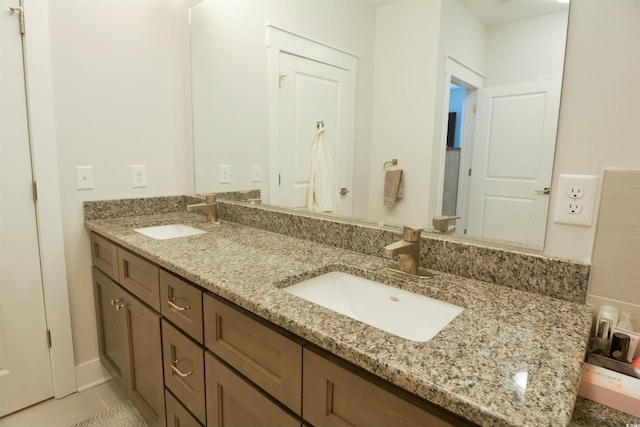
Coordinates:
<point>393,162</point>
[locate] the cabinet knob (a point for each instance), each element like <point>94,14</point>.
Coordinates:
<point>117,304</point>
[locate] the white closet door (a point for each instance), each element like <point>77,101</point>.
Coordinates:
<point>25,370</point>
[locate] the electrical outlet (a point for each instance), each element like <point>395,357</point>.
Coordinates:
<point>138,176</point>
<point>84,177</point>
<point>225,174</point>
<point>575,192</point>
<point>256,173</point>
<point>574,208</point>
<point>575,201</point>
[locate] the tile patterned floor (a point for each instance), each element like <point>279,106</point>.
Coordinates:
<point>69,410</point>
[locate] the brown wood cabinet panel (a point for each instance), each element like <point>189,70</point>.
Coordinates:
<point>234,402</point>
<point>334,395</point>
<point>145,343</point>
<point>184,369</point>
<point>269,359</point>
<point>140,277</point>
<point>112,340</point>
<point>177,415</point>
<point>104,255</point>
<point>181,303</point>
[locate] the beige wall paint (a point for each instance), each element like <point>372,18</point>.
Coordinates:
<point>120,98</point>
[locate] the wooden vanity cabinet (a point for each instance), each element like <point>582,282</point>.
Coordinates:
<point>177,414</point>
<point>130,341</point>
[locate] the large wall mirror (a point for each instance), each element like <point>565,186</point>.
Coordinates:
<point>462,96</point>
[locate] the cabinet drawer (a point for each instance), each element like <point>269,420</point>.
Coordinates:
<point>177,415</point>
<point>232,401</point>
<point>268,358</point>
<point>334,395</point>
<point>184,369</point>
<point>140,277</point>
<point>181,303</point>
<point>104,255</point>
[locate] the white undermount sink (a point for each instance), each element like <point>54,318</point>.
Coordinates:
<point>406,314</point>
<point>169,231</point>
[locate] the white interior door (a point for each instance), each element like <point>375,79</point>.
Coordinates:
<point>25,371</point>
<point>312,91</point>
<point>512,163</point>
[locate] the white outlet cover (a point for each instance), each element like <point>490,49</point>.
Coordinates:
<point>138,176</point>
<point>225,174</point>
<point>563,214</point>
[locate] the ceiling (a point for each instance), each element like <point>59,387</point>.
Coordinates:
<point>495,12</point>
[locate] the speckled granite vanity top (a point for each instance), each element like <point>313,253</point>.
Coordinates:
<point>510,358</point>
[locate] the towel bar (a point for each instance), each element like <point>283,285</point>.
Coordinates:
<point>392,162</point>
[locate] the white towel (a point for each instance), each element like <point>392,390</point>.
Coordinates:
<point>322,195</point>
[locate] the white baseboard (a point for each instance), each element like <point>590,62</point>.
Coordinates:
<point>91,374</point>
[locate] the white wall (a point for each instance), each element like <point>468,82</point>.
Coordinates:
<point>119,99</point>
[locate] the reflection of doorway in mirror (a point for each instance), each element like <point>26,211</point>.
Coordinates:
<point>309,82</point>
<point>514,143</point>
<point>311,92</point>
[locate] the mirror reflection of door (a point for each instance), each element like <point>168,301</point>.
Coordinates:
<point>514,143</point>
<point>315,83</point>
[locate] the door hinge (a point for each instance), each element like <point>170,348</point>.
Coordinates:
<point>49,338</point>
<point>469,171</point>
<point>465,231</point>
<point>20,11</point>
<point>475,108</point>
<point>279,179</point>
<point>34,190</point>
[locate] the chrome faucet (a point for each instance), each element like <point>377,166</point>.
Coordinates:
<point>407,249</point>
<point>209,207</point>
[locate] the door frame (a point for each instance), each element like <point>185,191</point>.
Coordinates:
<point>38,79</point>
<point>457,72</point>
<point>280,40</point>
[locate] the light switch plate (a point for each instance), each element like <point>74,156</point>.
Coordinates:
<point>575,199</point>
<point>84,177</point>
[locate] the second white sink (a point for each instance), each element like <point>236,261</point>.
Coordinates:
<point>408,315</point>
<point>169,231</point>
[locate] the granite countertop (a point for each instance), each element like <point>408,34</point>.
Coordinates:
<point>510,358</point>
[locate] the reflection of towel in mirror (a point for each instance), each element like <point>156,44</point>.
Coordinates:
<point>322,196</point>
<point>393,187</point>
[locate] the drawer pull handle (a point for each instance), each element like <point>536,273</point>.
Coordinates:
<point>175,369</point>
<point>175,306</point>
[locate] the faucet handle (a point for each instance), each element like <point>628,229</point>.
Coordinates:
<point>441,223</point>
<point>411,234</point>
<point>209,198</point>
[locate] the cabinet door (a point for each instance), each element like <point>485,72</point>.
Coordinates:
<point>268,358</point>
<point>111,319</point>
<point>233,402</point>
<point>145,356</point>
<point>336,396</point>
<point>184,369</point>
